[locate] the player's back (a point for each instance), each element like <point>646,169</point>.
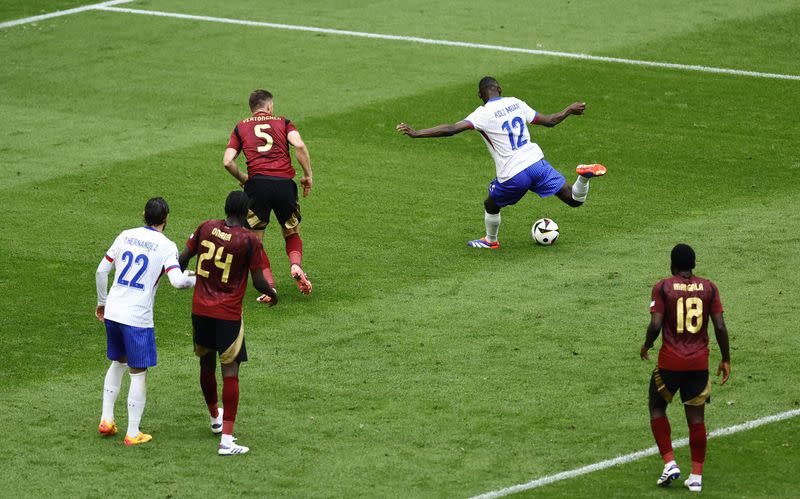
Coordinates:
<point>225,255</point>
<point>264,140</point>
<point>503,123</point>
<point>687,304</point>
<point>140,256</point>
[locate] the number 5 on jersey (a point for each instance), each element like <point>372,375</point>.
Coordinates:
<point>259,131</point>
<point>217,254</point>
<point>690,318</point>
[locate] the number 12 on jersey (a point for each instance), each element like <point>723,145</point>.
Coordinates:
<point>516,123</point>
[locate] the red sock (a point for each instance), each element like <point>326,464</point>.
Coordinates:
<point>662,434</point>
<point>294,249</point>
<point>230,402</point>
<point>208,383</point>
<point>697,444</point>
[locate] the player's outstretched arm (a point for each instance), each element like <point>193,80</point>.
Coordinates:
<point>721,332</point>
<point>229,162</point>
<point>437,131</point>
<point>301,152</point>
<point>551,120</point>
<point>180,280</point>
<point>261,284</point>
<point>653,330</point>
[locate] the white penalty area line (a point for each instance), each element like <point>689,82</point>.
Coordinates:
<point>59,13</point>
<point>451,43</point>
<point>634,456</point>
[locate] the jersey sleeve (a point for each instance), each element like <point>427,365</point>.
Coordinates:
<point>716,302</point>
<point>290,126</point>
<point>113,251</point>
<point>171,258</point>
<point>478,119</point>
<point>235,141</point>
<point>530,114</point>
<point>657,301</point>
<point>258,257</point>
<point>191,243</point>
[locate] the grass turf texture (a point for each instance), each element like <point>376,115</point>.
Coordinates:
<point>419,367</point>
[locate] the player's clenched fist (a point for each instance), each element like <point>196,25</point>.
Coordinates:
<point>404,128</point>
<point>577,107</point>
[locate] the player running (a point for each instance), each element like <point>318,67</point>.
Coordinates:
<point>227,251</point>
<point>141,256</point>
<point>520,163</point>
<point>681,307</point>
<point>269,181</point>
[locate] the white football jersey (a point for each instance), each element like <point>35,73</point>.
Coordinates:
<point>141,256</point>
<point>503,124</point>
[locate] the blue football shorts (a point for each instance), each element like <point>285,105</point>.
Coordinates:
<point>136,343</point>
<point>540,178</point>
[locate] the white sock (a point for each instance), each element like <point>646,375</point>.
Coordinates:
<point>227,440</point>
<point>137,396</point>
<point>492,226</point>
<point>111,388</point>
<point>580,189</point>
<point>695,478</point>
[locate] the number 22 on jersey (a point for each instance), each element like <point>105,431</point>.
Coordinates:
<point>690,317</point>
<point>215,253</point>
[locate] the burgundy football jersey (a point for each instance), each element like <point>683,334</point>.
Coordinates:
<point>225,255</point>
<point>686,303</point>
<point>263,138</point>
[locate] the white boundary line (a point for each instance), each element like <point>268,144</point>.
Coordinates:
<point>450,43</point>
<point>59,13</point>
<point>634,456</point>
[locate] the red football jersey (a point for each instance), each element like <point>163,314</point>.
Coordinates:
<point>225,256</point>
<point>264,140</point>
<point>687,303</point>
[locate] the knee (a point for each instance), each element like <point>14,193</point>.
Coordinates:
<point>287,233</point>
<point>491,207</point>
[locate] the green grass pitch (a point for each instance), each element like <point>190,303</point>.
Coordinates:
<point>419,367</point>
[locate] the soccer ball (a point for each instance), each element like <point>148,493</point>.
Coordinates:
<point>545,231</point>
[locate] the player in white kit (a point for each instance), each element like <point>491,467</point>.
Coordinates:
<point>519,162</point>
<point>141,256</point>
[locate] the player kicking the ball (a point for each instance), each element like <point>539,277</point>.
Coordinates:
<point>681,307</point>
<point>141,256</point>
<point>269,181</point>
<point>520,163</point>
<point>227,251</point>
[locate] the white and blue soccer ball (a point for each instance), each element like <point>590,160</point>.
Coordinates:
<point>545,231</point>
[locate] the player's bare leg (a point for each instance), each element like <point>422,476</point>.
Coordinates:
<point>111,388</point>
<point>208,384</point>
<point>575,195</point>
<point>695,418</point>
<point>491,219</point>
<point>137,397</point>
<point>230,400</point>
<point>294,250</point>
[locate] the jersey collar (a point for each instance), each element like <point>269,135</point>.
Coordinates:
<point>495,98</point>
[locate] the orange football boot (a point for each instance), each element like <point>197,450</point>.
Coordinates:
<point>590,171</point>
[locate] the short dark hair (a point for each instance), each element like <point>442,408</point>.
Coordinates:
<point>682,257</point>
<point>237,204</point>
<point>156,211</point>
<point>487,82</point>
<point>258,98</point>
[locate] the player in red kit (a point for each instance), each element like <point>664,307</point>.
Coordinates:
<point>269,181</point>
<point>681,307</point>
<point>226,251</point>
